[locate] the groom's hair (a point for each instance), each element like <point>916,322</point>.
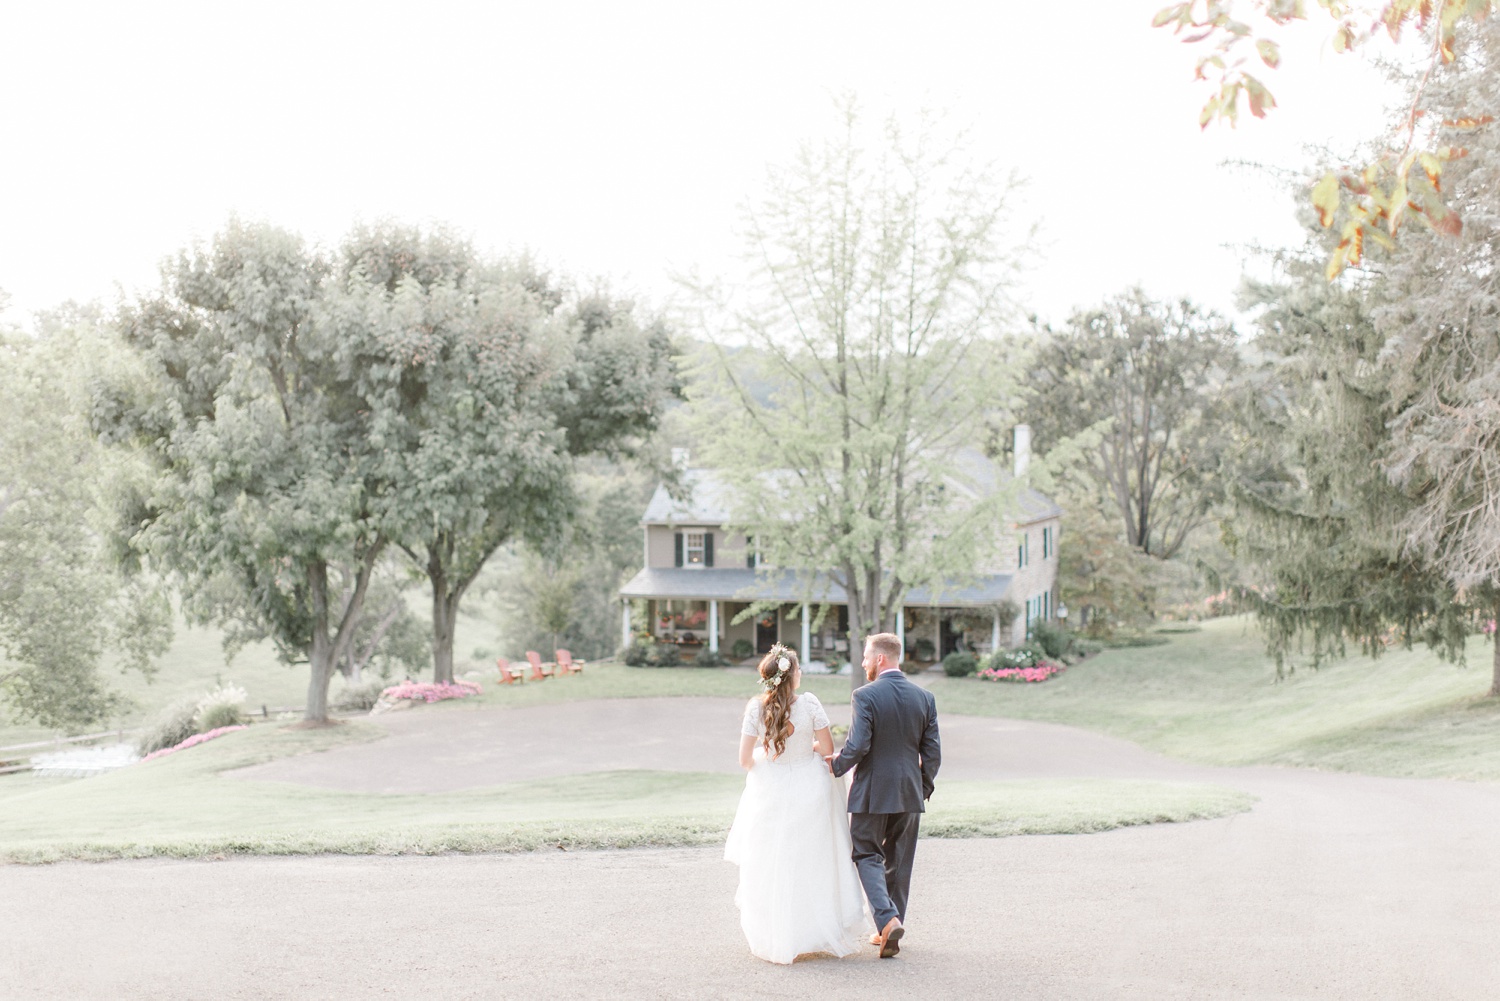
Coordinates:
<point>888,644</point>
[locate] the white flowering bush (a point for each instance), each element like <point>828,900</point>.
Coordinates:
<point>220,708</point>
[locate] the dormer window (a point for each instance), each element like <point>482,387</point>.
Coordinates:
<point>694,549</point>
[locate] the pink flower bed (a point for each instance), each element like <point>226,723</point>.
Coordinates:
<point>1041,671</point>
<point>427,691</point>
<point>196,738</point>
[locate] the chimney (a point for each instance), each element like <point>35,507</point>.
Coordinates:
<point>1023,449</point>
<point>680,457</point>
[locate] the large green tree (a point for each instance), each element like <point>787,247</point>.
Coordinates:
<point>872,317</point>
<point>1371,478</point>
<point>484,382</point>
<point>1145,383</point>
<point>63,600</point>
<point>269,478</point>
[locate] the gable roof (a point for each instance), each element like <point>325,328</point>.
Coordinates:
<point>707,493</point>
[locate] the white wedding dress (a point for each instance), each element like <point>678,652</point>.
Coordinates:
<point>799,892</point>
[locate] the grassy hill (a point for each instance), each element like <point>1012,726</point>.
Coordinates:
<point>1212,696</point>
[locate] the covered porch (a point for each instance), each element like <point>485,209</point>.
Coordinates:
<point>695,608</point>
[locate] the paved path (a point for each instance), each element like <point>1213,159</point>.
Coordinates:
<point>1334,886</point>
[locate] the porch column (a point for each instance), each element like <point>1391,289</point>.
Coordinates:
<point>995,633</point>
<point>625,622</point>
<point>937,634</point>
<point>901,629</point>
<point>806,633</point>
<point>713,624</point>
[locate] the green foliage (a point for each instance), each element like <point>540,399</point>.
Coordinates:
<point>742,649</point>
<point>221,707</point>
<point>666,655</point>
<point>485,380</point>
<point>358,698</point>
<point>710,658</point>
<point>1025,655</point>
<point>960,664</point>
<point>1366,488</point>
<point>170,727</point>
<point>1055,640</point>
<point>567,593</point>
<point>871,320</point>
<point>63,600</point>
<point>1141,387</point>
<point>922,648</point>
<point>269,476</point>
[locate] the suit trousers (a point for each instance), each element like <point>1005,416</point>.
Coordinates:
<point>884,846</point>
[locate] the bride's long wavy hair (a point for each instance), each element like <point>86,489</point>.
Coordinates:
<point>776,704</point>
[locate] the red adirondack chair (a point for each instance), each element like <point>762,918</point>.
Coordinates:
<point>507,676</point>
<point>567,665</point>
<point>538,669</point>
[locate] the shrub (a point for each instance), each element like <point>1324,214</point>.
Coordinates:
<point>922,649</point>
<point>742,648</point>
<point>1054,639</point>
<point>637,654</point>
<point>960,664</point>
<point>358,698</point>
<point>220,708</point>
<point>1025,655</point>
<point>667,655</point>
<point>174,724</point>
<point>912,667</point>
<point>710,658</point>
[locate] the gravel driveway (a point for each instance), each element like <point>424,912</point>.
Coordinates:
<point>1334,886</point>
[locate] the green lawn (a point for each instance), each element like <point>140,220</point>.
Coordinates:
<point>1212,696</point>
<point>181,806</point>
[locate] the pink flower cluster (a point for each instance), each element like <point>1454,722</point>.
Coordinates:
<point>196,738</point>
<point>1488,628</point>
<point>428,691</point>
<point>1043,670</point>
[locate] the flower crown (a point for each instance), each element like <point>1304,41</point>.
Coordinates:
<point>783,668</point>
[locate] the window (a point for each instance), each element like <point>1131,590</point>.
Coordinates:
<point>1023,550</point>
<point>1047,544</point>
<point>695,549</point>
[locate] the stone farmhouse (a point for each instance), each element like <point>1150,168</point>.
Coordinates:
<point>698,576</point>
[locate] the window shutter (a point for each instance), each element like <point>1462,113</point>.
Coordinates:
<point>708,549</point>
<point>679,549</point>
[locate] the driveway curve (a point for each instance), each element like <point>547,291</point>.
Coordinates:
<point>1333,886</point>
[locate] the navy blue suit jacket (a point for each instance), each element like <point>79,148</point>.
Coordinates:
<point>893,738</point>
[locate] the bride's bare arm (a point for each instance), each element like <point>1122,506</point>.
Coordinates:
<point>747,750</point>
<point>823,741</point>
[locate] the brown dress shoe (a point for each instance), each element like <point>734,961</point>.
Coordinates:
<point>890,938</point>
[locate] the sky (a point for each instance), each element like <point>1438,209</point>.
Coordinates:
<point>618,141</point>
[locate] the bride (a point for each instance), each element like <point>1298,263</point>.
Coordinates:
<point>799,892</point>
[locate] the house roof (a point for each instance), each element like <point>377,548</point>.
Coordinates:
<point>707,494</point>
<point>743,584</point>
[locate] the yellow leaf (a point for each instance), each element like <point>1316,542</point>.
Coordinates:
<point>1270,53</point>
<point>1325,198</point>
<point>1432,167</point>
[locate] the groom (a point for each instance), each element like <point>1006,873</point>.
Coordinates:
<point>893,738</point>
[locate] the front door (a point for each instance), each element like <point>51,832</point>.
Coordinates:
<point>765,631</point>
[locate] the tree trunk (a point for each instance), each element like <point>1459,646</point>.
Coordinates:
<point>444,614</point>
<point>321,658</point>
<point>1495,659</point>
<point>325,651</point>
